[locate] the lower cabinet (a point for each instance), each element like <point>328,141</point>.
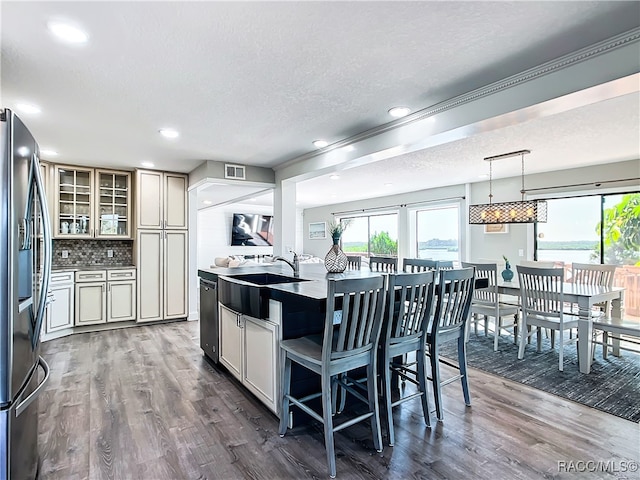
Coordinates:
<point>105,296</point>
<point>59,314</point>
<point>249,350</point>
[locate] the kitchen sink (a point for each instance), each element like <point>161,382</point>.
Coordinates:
<point>266,278</point>
<point>248,293</point>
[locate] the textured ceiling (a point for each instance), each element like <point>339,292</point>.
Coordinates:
<point>256,82</point>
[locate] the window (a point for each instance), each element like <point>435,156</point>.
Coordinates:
<point>570,233</point>
<point>596,229</point>
<point>591,229</point>
<point>371,235</point>
<point>438,233</point>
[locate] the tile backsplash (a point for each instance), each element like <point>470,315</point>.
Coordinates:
<point>92,252</point>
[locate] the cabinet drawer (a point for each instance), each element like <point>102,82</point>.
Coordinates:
<point>91,276</point>
<point>59,278</point>
<point>129,274</point>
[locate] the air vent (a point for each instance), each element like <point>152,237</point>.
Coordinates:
<point>234,171</point>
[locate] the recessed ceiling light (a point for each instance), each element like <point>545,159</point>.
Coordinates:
<point>320,143</point>
<point>66,32</point>
<point>24,151</point>
<point>252,199</point>
<point>169,133</point>
<point>399,111</point>
<point>48,153</point>
<point>147,164</point>
<point>335,177</point>
<point>207,202</point>
<point>388,184</point>
<point>484,175</point>
<point>28,108</point>
<point>349,148</point>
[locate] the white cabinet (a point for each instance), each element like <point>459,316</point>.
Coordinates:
<point>231,346</point>
<point>60,312</point>
<point>105,296</point>
<point>162,245</point>
<point>260,373</point>
<point>91,203</point>
<point>161,200</point>
<point>162,261</point>
<point>249,350</point>
<point>91,303</point>
<point>121,295</point>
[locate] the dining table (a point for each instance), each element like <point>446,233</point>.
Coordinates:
<point>586,297</point>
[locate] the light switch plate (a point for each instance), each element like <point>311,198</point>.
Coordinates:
<point>110,253</point>
<point>65,253</point>
<point>521,253</point>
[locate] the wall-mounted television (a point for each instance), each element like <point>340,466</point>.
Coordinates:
<point>252,229</point>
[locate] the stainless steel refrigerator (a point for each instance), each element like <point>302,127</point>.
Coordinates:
<point>25,268</point>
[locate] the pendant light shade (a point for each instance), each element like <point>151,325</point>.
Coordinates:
<point>524,211</point>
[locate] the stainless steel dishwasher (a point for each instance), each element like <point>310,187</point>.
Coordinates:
<point>209,318</point>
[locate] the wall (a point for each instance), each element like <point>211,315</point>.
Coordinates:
<point>214,233</point>
<point>478,244</point>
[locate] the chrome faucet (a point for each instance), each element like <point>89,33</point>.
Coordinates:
<point>295,264</point>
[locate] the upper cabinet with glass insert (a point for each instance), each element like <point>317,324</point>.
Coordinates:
<point>113,204</point>
<point>74,205</point>
<point>92,203</point>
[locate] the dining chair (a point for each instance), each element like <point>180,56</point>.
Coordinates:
<point>354,262</point>
<point>383,264</point>
<point>413,265</point>
<point>351,344</point>
<point>448,323</point>
<point>600,275</point>
<point>542,298</point>
<point>409,302</point>
<point>446,265</point>
<point>536,263</point>
<point>486,303</point>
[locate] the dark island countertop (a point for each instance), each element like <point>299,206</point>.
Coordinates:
<point>315,274</point>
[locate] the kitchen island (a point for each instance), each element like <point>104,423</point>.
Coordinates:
<point>252,319</point>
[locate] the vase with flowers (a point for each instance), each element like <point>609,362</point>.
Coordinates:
<point>507,273</point>
<point>336,261</point>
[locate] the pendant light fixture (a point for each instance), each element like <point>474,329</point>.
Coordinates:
<point>524,211</point>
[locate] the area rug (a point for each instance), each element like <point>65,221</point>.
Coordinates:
<point>613,385</point>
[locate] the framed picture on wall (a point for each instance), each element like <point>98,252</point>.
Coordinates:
<point>496,228</point>
<point>317,230</point>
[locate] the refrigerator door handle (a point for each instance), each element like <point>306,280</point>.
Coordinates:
<point>47,243</point>
<point>22,406</point>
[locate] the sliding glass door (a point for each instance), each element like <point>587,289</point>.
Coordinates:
<point>596,229</point>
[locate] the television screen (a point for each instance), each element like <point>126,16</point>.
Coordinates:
<point>252,229</point>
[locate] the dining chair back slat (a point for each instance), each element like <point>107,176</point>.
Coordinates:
<point>354,262</point>
<point>413,265</point>
<point>593,274</point>
<point>383,264</point>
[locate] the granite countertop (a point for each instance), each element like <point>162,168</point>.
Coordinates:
<point>315,274</point>
<point>75,268</point>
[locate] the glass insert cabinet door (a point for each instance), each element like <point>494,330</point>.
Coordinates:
<point>74,206</point>
<point>113,205</point>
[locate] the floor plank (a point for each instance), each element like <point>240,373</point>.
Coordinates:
<point>142,403</point>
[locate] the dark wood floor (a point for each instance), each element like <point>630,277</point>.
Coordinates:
<point>142,403</point>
